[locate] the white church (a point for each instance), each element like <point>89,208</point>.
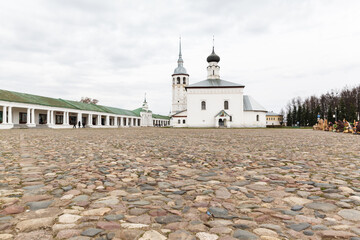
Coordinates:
<point>212,102</point>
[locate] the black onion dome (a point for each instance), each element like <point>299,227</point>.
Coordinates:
<point>213,57</point>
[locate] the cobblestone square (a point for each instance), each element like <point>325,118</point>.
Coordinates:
<point>179,184</point>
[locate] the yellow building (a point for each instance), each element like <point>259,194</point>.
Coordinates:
<point>274,119</point>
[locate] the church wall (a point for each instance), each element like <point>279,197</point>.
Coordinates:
<point>214,98</point>
<point>175,122</point>
<point>250,119</point>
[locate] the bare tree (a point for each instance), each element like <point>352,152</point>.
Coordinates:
<point>89,100</point>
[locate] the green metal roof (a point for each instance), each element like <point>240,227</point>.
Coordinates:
<point>31,99</point>
<point>139,110</point>
<point>120,111</point>
<point>10,96</point>
<point>160,116</point>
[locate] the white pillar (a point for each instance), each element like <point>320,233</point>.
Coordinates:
<point>48,117</point>
<point>115,121</point>
<point>79,119</point>
<point>9,115</point>
<point>98,120</point>
<point>107,122</point>
<point>28,116</point>
<point>89,119</point>
<point>4,115</point>
<point>51,117</point>
<point>67,118</point>
<point>33,116</point>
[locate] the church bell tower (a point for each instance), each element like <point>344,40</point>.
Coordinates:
<point>180,79</point>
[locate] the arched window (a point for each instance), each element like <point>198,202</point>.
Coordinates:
<point>184,121</point>
<point>184,80</point>
<point>173,80</point>
<point>226,105</point>
<point>257,117</point>
<point>178,80</point>
<point>179,121</point>
<point>203,105</point>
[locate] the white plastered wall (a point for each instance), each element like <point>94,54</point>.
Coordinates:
<point>250,119</point>
<point>214,98</point>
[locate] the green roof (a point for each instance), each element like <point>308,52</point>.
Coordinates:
<point>32,99</point>
<point>139,110</point>
<point>10,96</point>
<point>160,116</point>
<point>120,111</point>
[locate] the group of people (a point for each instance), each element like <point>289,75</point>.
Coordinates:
<point>338,126</point>
<point>79,125</point>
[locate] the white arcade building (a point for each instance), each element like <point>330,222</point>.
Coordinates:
<point>212,102</point>
<point>21,110</point>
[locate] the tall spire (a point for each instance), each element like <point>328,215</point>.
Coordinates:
<point>213,44</point>
<point>180,68</point>
<point>145,98</point>
<point>180,60</point>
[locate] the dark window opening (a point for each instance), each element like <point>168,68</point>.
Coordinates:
<point>22,117</point>
<point>257,117</point>
<point>59,119</point>
<point>184,121</point>
<point>42,118</point>
<point>203,105</point>
<point>1,117</point>
<point>226,105</point>
<point>184,80</point>
<point>230,118</point>
<point>72,120</point>
<point>178,80</point>
<point>179,121</point>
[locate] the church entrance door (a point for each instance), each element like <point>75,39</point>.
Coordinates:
<point>221,123</point>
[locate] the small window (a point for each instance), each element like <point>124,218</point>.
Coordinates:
<point>178,80</point>
<point>230,118</point>
<point>184,121</point>
<point>226,105</point>
<point>184,80</point>
<point>257,118</point>
<point>203,105</point>
<point>179,121</point>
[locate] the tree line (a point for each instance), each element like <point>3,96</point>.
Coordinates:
<point>334,105</point>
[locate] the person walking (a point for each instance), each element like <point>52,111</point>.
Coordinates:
<point>79,124</point>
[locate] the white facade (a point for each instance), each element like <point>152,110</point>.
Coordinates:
<point>216,103</point>
<point>21,115</point>
<point>214,99</point>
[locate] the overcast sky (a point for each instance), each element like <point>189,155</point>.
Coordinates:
<point>115,51</point>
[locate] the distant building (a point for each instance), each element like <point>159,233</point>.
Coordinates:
<point>212,102</point>
<point>274,119</point>
<point>21,110</point>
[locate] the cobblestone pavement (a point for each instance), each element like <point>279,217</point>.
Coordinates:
<point>179,184</point>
